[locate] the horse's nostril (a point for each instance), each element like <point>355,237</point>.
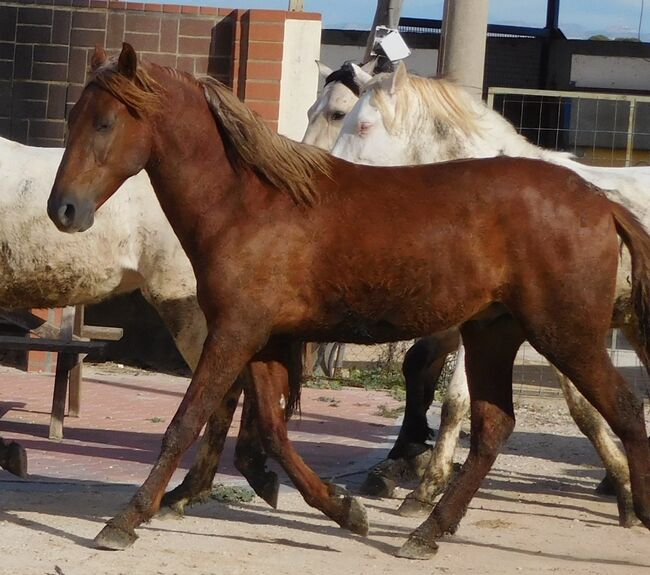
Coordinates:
<point>66,214</point>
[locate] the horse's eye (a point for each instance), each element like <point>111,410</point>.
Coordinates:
<point>104,126</point>
<point>336,116</point>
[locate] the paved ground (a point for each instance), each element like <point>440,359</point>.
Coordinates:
<point>125,412</point>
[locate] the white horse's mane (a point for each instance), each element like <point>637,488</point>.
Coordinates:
<point>441,107</point>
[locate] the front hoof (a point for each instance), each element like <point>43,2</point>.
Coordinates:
<point>16,461</point>
<point>357,517</point>
<point>412,507</point>
<point>270,489</point>
<point>115,539</point>
<point>377,485</point>
<point>416,548</point>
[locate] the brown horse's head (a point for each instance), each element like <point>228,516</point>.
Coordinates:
<point>107,141</point>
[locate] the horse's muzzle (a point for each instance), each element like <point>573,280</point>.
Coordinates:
<point>71,215</point>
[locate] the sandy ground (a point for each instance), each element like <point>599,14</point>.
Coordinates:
<point>536,513</point>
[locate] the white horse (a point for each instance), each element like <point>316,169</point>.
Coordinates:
<point>402,119</point>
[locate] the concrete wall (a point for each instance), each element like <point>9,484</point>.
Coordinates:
<point>299,84</point>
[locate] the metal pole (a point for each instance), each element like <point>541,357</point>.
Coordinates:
<point>296,5</point>
<point>630,133</point>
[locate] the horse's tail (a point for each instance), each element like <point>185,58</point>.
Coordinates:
<point>295,379</point>
<point>637,241</point>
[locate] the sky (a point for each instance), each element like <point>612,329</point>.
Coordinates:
<point>578,18</point>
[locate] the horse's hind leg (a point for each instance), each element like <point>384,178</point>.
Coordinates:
<point>410,456</point>
<point>490,353</point>
<point>198,481</point>
<point>345,510</point>
<point>438,474</point>
<point>592,424</point>
<point>609,393</point>
<point>250,458</point>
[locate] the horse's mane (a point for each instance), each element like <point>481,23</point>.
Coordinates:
<point>451,112</point>
<point>437,98</point>
<point>285,164</point>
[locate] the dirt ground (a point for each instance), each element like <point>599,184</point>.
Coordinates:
<point>536,513</point>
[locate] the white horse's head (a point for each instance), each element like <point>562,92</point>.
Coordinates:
<point>402,118</point>
<point>340,94</point>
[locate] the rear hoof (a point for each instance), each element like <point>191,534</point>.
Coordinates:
<point>412,507</point>
<point>606,487</point>
<point>416,548</point>
<point>115,539</point>
<point>270,490</point>
<point>357,517</point>
<point>377,485</point>
<point>16,461</point>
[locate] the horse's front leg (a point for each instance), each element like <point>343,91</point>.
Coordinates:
<point>225,353</point>
<point>269,367</point>
<point>198,481</point>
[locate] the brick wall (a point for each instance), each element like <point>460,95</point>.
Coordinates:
<point>45,49</point>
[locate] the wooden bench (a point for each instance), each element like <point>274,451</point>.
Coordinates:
<point>71,341</point>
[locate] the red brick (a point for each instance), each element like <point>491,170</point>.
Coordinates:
<point>208,11</point>
<point>99,3</point>
<point>199,46</point>
<point>89,38</point>
<point>267,15</point>
<point>196,27</point>
<point>115,30</point>
<point>266,32</point>
<point>265,109</point>
<point>172,8</point>
<point>143,23</point>
<point>265,51</point>
<point>262,90</point>
<point>189,9</point>
<point>89,20</point>
<point>142,42</point>
<point>169,35</point>
<point>229,12</point>
<point>185,63</point>
<point>135,6</point>
<point>117,5</point>
<point>264,70</point>
<point>153,7</point>
<point>304,16</point>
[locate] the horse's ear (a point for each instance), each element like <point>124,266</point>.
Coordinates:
<point>369,66</point>
<point>400,77</point>
<point>127,64</point>
<point>98,59</point>
<point>361,77</point>
<point>323,69</point>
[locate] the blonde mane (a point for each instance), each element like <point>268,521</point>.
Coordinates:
<point>283,163</point>
<point>434,97</point>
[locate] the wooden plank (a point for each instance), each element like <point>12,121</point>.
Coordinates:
<point>42,344</point>
<point>74,381</point>
<point>101,332</point>
<point>29,322</point>
<point>64,363</point>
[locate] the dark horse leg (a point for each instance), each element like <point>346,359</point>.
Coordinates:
<point>491,348</point>
<point>345,510</point>
<point>198,482</point>
<point>224,355</point>
<point>250,458</point>
<point>409,457</point>
<point>13,458</point>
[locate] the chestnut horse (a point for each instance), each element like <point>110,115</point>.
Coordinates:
<point>290,244</point>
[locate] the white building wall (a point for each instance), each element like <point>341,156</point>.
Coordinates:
<point>299,82</point>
